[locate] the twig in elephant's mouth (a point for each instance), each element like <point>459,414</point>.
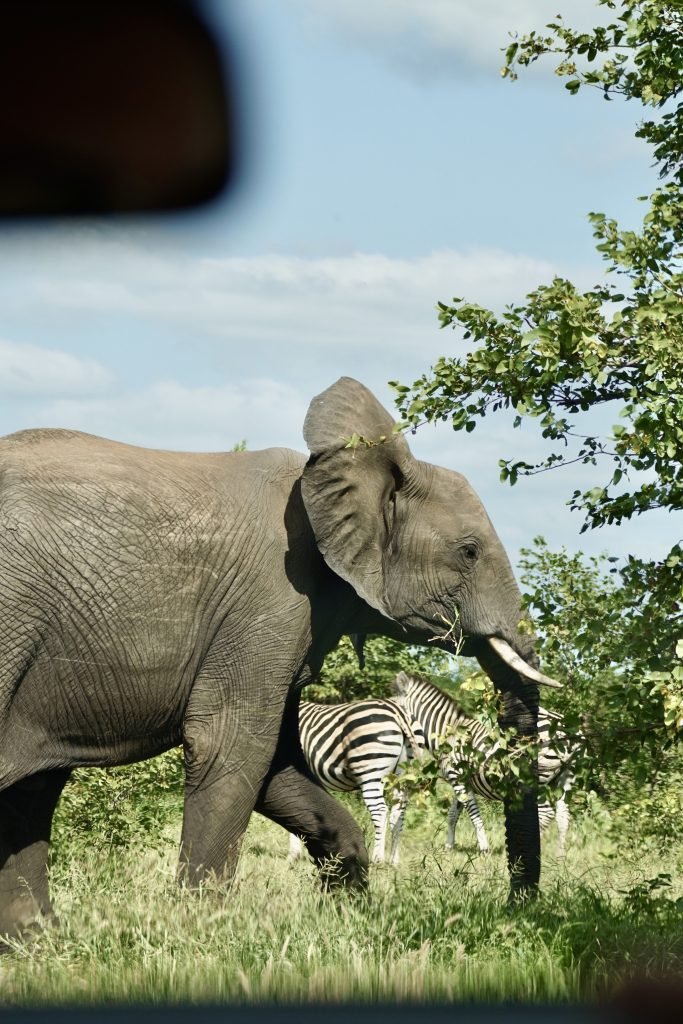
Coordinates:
<point>449,635</point>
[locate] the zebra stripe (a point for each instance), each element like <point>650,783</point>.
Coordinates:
<point>438,715</point>
<point>355,746</point>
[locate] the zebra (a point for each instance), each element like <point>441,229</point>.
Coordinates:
<point>435,714</point>
<point>356,746</point>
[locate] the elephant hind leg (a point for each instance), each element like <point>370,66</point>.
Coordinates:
<point>292,798</point>
<point>26,811</point>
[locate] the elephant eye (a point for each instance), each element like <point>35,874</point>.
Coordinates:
<point>470,553</point>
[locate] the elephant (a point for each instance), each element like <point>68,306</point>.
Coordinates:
<point>151,598</point>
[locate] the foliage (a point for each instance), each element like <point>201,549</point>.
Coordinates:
<point>341,678</point>
<point>599,627</point>
<point>564,356</point>
<point>115,807</point>
<point>508,764</point>
<point>564,352</point>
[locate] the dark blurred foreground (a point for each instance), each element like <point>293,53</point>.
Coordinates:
<point>111,106</point>
<point>637,1000</point>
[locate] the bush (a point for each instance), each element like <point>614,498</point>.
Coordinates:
<point>119,806</point>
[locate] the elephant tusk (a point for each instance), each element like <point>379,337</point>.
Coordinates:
<point>504,651</point>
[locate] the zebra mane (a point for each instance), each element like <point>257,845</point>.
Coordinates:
<point>403,680</point>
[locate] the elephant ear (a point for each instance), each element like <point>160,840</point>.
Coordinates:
<point>349,492</point>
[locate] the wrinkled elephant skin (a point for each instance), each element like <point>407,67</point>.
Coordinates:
<point>151,598</point>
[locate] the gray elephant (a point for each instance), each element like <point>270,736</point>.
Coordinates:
<point>150,598</point>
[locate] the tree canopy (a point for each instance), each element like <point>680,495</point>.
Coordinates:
<point>562,354</point>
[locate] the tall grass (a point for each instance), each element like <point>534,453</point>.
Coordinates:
<point>438,928</point>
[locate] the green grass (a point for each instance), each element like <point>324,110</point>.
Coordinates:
<point>437,928</point>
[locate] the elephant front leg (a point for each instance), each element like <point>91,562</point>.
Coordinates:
<point>519,715</point>
<point>227,756</point>
<point>520,712</point>
<point>26,811</point>
<point>292,798</point>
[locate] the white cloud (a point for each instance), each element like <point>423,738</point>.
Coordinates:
<point>30,370</point>
<point>424,36</point>
<point>253,341</point>
<point>169,414</point>
<point>343,301</point>
<point>238,325</point>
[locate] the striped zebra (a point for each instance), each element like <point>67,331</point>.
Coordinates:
<point>436,714</point>
<point>355,746</point>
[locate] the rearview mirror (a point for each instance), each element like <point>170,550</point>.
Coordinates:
<point>111,106</point>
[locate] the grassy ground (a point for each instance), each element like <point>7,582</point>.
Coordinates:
<point>437,928</point>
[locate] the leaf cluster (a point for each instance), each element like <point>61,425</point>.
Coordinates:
<point>639,56</point>
<point>564,352</point>
<point>611,631</point>
<point>118,807</point>
<point>560,355</point>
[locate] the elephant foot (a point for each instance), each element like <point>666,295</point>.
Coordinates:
<point>22,919</point>
<point>449,847</point>
<point>521,895</point>
<point>350,872</point>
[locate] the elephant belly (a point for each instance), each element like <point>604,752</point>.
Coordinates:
<point>81,703</point>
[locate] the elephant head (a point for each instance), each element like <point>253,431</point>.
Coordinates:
<point>415,543</point>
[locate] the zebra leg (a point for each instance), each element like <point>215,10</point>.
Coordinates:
<point>546,813</point>
<point>462,796</point>
<point>477,822</point>
<point>453,816</point>
<point>396,820</point>
<point>373,797</point>
<point>562,818</point>
<point>296,848</point>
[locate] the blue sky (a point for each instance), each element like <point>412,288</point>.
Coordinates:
<point>387,166</point>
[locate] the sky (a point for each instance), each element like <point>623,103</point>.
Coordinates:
<point>386,166</point>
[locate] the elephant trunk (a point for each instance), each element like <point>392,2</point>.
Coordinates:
<point>519,715</point>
